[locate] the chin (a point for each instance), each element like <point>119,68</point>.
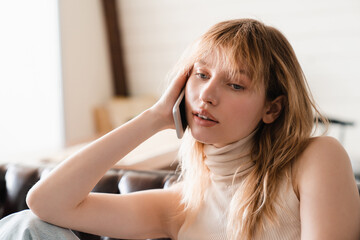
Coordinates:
<point>201,137</point>
<point>213,140</point>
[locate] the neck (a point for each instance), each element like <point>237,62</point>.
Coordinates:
<point>230,161</point>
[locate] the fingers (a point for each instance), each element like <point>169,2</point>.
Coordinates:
<point>181,77</point>
<point>178,83</point>
<point>165,104</point>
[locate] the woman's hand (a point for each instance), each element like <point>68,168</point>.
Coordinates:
<point>163,108</point>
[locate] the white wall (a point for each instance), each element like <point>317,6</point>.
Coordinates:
<point>85,66</point>
<point>324,33</point>
<point>30,85</point>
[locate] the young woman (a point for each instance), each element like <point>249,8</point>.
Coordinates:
<point>250,168</point>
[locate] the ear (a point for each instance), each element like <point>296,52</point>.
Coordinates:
<point>273,109</point>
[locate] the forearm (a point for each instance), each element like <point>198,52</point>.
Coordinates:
<point>63,191</point>
<point>70,183</point>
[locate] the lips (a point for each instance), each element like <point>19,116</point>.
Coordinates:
<point>206,116</point>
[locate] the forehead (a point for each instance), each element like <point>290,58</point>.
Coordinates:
<point>222,62</point>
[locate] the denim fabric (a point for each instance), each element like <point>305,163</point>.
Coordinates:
<point>27,226</point>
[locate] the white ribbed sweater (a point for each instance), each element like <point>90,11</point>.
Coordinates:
<point>211,221</point>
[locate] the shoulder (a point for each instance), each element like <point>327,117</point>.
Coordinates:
<point>326,187</point>
<point>324,147</point>
<point>323,157</point>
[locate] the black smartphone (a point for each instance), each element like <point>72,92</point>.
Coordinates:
<point>179,115</point>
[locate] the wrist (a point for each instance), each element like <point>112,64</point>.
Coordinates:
<point>158,120</point>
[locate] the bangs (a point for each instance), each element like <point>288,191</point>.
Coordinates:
<point>233,53</point>
<point>236,46</point>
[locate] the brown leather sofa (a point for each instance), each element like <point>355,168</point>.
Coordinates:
<point>16,180</point>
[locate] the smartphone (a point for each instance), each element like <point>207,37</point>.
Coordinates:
<point>179,115</point>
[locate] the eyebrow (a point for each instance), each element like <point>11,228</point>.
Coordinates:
<point>246,73</point>
<point>243,71</point>
<point>237,72</point>
<point>201,61</point>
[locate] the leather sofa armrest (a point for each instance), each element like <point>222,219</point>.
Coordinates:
<point>16,180</point>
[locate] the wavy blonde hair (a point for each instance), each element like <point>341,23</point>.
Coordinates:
<point>271,61</point>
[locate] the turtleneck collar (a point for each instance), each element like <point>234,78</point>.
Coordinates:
<point>225,161</point>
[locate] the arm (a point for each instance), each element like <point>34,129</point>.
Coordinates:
<point>329,199</point>
<point>64,198</point>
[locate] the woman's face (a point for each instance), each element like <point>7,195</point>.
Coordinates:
<point>221,109</point>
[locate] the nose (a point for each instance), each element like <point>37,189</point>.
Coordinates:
<point>209,93</point>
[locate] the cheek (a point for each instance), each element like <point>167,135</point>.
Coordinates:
<point>250,112</point>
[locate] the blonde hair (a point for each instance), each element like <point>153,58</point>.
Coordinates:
<point>270,60</point>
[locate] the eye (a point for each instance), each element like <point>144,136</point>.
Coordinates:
<point>236,86</point>
<point>201,75</point>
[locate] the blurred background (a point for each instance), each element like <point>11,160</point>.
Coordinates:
<point>56,71</point>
